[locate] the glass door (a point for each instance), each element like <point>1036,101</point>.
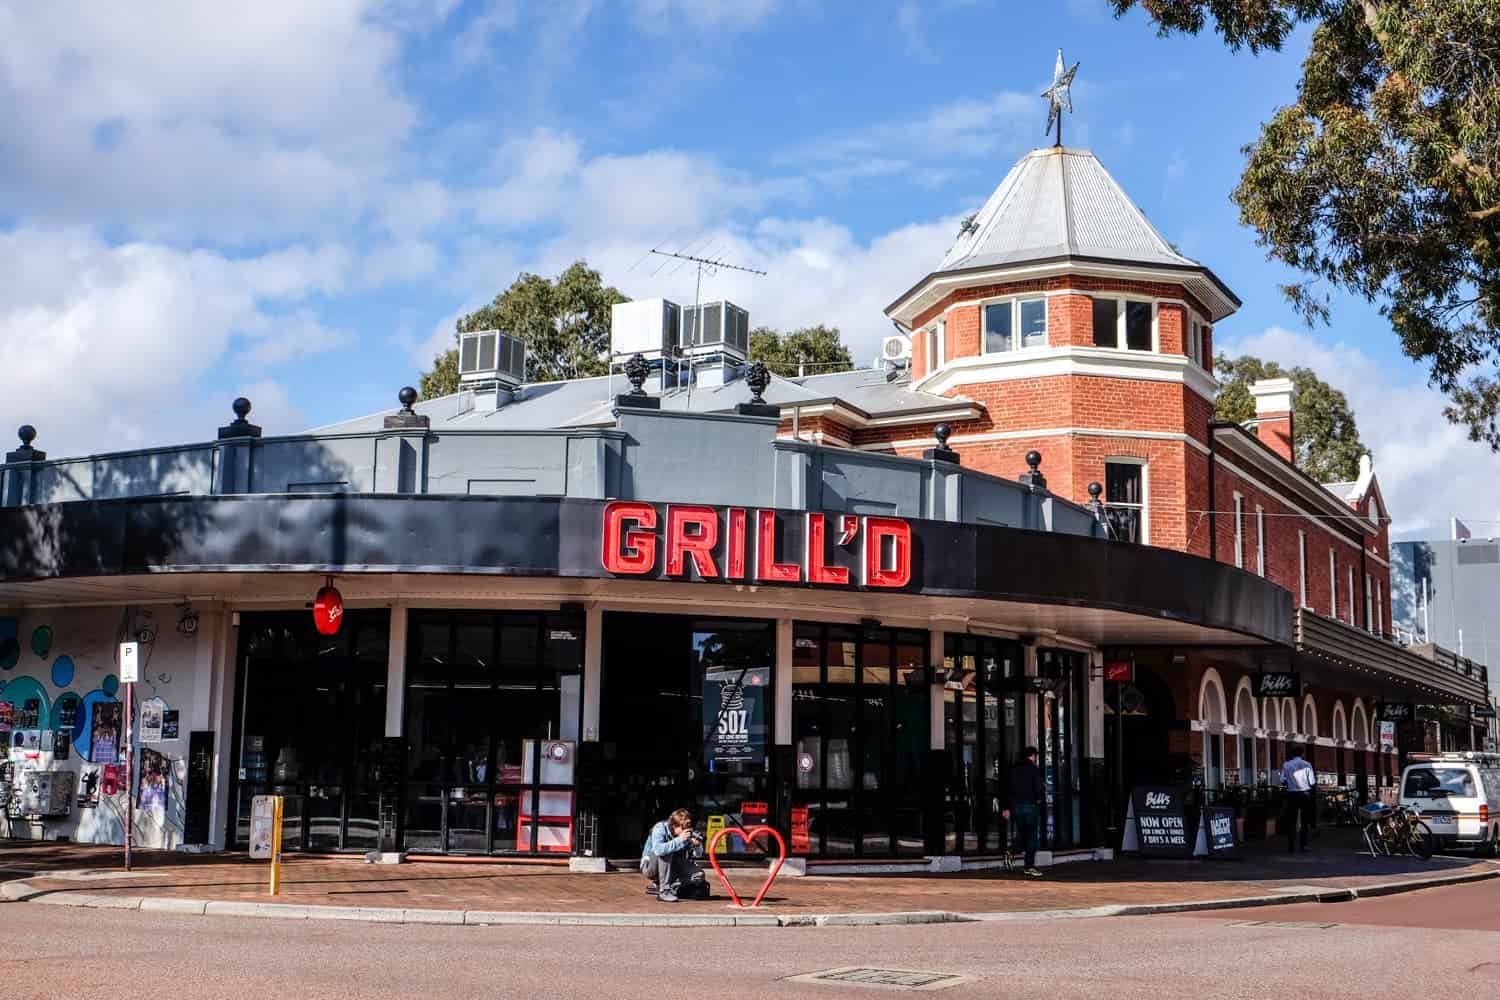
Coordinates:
<point>982,734</point>
<point>860,724</point>
<point>1061,730</point>
<point>310,716</point>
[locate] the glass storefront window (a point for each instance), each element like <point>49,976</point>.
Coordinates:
<point>481,688</point>
<point>310,717</point>
<point>859,729</point>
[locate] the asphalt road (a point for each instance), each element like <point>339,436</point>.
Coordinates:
<point>1337,950</point>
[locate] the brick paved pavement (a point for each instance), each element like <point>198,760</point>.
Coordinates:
<point>539,887</point>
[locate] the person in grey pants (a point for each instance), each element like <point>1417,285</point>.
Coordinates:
<point>667,864</point>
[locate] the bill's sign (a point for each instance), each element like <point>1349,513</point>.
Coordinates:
<point>694,541</point>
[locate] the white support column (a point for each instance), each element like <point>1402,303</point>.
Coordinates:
<point>593,661</point>
<point>200,711</point>
<point>395,673</point>
<point>783,682</point>
<point>936,731</point>
<point>1096,704</point>
<point>223,636</point>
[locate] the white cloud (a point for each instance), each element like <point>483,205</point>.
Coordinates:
<point>665,16</point>
<point>276,339</point>
<point>104,343</point>
<point>188,120</point>
<point>1428,469</point>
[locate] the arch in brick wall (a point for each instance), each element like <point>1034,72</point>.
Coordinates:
<point>1309,717</point>
<point>1359,722</point>
<point>1245,714</point>
<point>1211,704</point>
<point>1289,715</point>
<point>1270,715</point>
<point>1340,723</point>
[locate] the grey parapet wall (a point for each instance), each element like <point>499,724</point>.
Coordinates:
<point>647,455</point>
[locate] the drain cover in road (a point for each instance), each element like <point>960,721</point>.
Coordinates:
<point>883,979</point>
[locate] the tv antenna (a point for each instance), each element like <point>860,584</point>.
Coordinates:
<point>713,265</point>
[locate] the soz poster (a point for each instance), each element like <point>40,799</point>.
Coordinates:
<point>734,717</point>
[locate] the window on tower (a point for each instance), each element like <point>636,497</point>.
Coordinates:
<point>1125,499</point>
<point>1014,324</point>
<point>1138,326</point>
<point>1123,324</point>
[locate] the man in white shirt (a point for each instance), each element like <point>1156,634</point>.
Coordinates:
<point>1300,781</point>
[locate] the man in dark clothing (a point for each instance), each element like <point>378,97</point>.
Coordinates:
<point>1027,793</point>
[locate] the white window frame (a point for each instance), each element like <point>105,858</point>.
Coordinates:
<point>1369,612</point>
<point>931,347</point>
<point>1260,539</point>
<point>942,341</point>
<point>1379,607</point>
<point>1333,585</point>
<point>1302,568</point>
<point>1014,301</point>
<point>1145,507</point>
<point>1352,604</point>
<point>1239,531</point>
<point>1119,300</point>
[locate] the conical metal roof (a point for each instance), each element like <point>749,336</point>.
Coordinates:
<point>1060,207</point>
<point>1059,202</point>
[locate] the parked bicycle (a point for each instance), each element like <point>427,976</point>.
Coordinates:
<point>1389,829</point>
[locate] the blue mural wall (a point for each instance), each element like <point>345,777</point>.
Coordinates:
<point>61,711</point>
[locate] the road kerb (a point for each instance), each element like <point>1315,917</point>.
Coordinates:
<point>19,890</point>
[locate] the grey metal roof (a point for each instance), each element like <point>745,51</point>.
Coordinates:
<point>1060,202</point>
<point>589,402</point>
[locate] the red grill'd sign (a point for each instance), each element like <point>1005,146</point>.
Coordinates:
<point>734,543</point>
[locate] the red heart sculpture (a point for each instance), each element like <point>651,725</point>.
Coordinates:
<point>750,835</point>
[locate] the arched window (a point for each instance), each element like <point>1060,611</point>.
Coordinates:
<point>1340,723</point>
<point>1211,705</point>
<point>1310,718</point>
<point>1244,707</point>
<point>1270,715</point>
<point>1359,727</point>
<point>1289,714</point>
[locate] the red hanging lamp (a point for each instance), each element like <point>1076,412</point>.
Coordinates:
<point>328,609</point>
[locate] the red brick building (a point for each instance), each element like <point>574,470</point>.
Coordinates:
<point>1062,322</point>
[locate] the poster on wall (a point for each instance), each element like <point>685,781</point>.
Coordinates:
<point>169,724</point>
<point>1387,736</point>
<point>28,716</point>
<point>7,711</point>
<point>151,720</point>
<point>104,734</point>
<point>734,718</point>
<point>155,767</point>
<point>62,744</point>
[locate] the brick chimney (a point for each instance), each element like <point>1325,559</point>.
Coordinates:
<point>1273,415</point>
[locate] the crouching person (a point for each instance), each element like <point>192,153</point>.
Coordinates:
<point>667,863</point>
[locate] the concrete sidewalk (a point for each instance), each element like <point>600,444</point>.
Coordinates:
<point>492,893</point>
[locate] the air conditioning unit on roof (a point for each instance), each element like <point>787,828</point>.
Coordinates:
<point>491,356</point>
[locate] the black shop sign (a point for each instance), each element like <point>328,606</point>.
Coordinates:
<point>1397,711</point>
<point>1161,821</point>
<point>1220,824</point>
<point>1287,684</point>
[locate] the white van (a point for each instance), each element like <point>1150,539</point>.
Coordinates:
<point>1458,797</point>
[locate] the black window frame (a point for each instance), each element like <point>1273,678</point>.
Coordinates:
<point>541,666</point>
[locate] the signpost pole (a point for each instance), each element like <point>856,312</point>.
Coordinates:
<point>129,752</point>
<point>129,674</point>
<point>276,816</point>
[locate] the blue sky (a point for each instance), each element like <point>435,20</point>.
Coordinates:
<point>296,203</point>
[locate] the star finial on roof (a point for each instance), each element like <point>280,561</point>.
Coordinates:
<point>1060,95</point>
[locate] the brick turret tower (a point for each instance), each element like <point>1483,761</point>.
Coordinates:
<point>1084,335</point>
